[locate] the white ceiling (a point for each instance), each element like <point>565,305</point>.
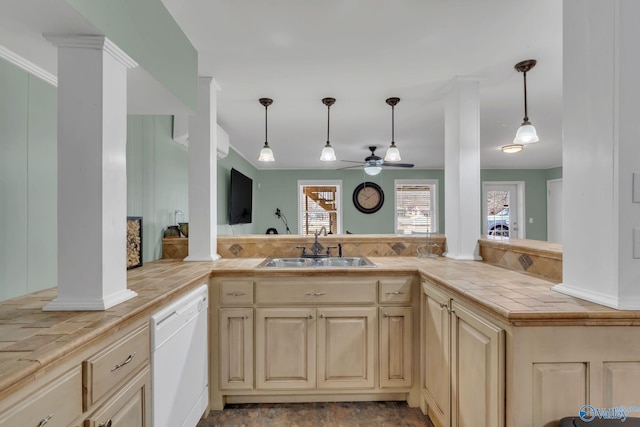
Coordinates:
<point>359,52</point>
<point>364,51</point>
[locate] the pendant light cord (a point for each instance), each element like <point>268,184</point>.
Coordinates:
<point>526,115</point>
<point>265,125</point>
<point>328,115</point>
<point>393,125</point>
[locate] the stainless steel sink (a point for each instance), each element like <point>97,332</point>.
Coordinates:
<point>316,262</point>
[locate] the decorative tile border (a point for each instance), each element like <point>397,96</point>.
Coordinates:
<point>262,246</point>
<point>541,259</point>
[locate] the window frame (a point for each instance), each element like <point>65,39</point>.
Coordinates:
<point>320,183</point>
<point>433,192</point>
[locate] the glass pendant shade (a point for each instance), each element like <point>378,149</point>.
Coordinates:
<point>372,170</point>
<point>526,134</point>
<point>513,148</point>
<point>393,154</point>
<point>328,155</point>
<point>266,154</point>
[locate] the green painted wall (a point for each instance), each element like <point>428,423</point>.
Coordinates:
<point>146,31</point>
<point>279,189</point>
<point>28,183</point>
<point>234,160</point>
<point>535,194</point>
<point>157,179</point>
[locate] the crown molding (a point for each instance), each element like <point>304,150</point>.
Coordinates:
<point>92,42</point>
<point>28,66</point>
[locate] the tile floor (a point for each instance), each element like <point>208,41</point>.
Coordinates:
<point>338,414</point>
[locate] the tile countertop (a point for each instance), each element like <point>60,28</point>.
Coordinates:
<point>31,339</point>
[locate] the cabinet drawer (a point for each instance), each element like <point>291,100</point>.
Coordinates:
<point>313,291</point>
<point>395,290</point>
<point>236,292</point>
<point>114,364</point>
<point>57,404</point>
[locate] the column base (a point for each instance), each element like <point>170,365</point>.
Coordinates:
<point>73,304</point>
<point>206,258</point>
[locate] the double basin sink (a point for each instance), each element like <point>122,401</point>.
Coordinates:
<point>318,262</point>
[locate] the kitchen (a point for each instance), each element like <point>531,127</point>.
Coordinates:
<point>581,250</point>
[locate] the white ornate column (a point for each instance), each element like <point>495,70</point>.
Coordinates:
<point>601,170</point>
<point>203,170</point>
<point>92,174</point>
<point>462,169</point>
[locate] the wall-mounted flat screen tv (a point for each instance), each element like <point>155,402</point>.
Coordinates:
<point>240,197</point>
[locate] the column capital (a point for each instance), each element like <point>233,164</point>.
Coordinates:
<point>211,81</point>
<point>91,42</point>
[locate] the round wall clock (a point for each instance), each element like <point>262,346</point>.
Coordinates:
<point>368,197</point>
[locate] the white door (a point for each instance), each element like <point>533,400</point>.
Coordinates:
<point>554,210</point>
<point>501,204</point>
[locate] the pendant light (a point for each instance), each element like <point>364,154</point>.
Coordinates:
<point>266,154</point>
<point>393,154</point>
<point>526,133</point>
<point>328,155</point>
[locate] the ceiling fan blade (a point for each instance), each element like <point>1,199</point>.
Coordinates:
<point>349,167</point>
<point>398,165</point>
<point>353,161</point>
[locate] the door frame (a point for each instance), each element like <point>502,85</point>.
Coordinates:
<point>520,206</point>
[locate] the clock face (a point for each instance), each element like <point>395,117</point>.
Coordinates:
<point>368,197</point>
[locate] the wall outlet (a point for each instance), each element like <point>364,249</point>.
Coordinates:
<point>530,220</point>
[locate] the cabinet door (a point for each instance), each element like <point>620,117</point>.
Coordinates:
<point>477,350</point>
<point>435,354</point>
<point>129,407</point>
<point>395,346</point>
<point>236,348</point>
<point>285,348</point>
<point>346,345</point>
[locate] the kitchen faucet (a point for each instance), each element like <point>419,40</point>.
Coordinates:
<point>316,245</point>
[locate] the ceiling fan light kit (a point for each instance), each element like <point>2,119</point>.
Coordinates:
<point>266,154</point>
<point>393,154</point>
<point>328,155</point>
<point>526,134</point>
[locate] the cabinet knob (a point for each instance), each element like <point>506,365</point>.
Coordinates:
<point>45,420</point>
<point>105,424</point>
<point>322,316</point>
<point>310,316</point>
<point>246,316</point>
<point>386,315</point>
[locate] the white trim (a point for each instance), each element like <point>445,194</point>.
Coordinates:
<point>596,297</point>
<point>28,66</point>
<point>337,183</point>
<point>433,184</point>
<point>98,304</point>
<point>92,42</point>
<point>549,207</point>
<point>520,206</point>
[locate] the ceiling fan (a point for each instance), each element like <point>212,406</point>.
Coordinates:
<point>373,164</point>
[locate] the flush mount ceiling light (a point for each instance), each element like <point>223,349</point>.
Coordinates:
<point>393,154</point>
<point>266,154</point>
<point>328,155</point>
<point>513,148</point>
<point>526,133</point>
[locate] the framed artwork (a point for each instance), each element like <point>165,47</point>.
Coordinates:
<point>134,242</point>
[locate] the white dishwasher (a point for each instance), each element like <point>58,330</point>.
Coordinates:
<point>179,361</point>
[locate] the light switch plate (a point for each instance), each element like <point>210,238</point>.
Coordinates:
<point>636,243</point>
<point>636,187</point>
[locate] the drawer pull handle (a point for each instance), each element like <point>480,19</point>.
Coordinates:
<point>236,294</point>
<point>394,293</point>
<point>45,420</point>
<point>315,294</point>
<point>120,365</point>
<point>105,424</point>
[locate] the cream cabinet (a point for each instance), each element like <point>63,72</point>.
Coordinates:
<point>463,379</point>
<point>285,348</point>
<point>313,338</point>
<point>236,348</point>
<point>346,344</point>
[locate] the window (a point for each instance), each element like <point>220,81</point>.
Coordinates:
<point>416,206</point>
<point>319,206</point>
